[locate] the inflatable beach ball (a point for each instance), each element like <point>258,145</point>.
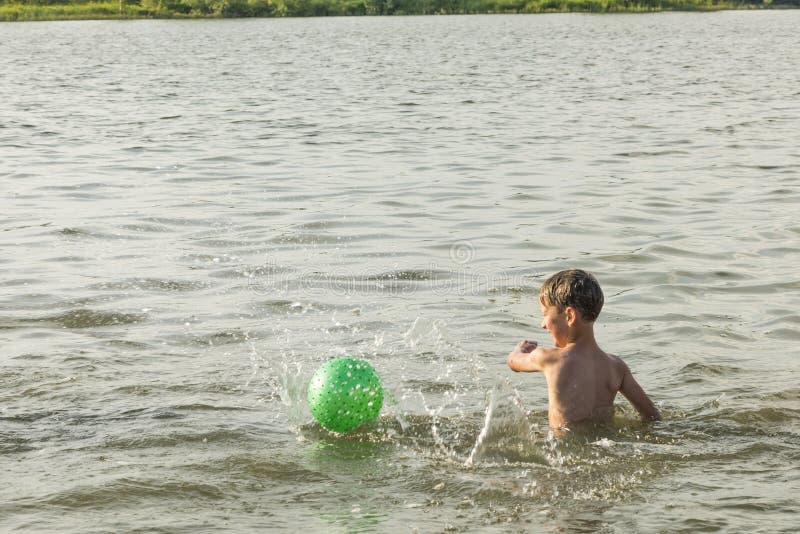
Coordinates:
<point>344,393</point>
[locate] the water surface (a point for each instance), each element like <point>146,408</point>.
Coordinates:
<point>197,214</point>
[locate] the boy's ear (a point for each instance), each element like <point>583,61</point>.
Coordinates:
<point>571,315</point>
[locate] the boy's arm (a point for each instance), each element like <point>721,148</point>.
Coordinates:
<point>526,356</point>
<point>636,395</point>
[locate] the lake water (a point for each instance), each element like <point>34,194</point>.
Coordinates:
<point>198,214</point>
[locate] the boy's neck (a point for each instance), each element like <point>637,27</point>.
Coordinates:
<point>582,334</point>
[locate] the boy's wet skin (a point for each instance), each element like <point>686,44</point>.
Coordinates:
<point>582,380</point>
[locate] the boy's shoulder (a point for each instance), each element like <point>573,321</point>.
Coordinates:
<point>605,359</point>
<point>551,354</point>
<point>616,361</point>
<point>618,369</point>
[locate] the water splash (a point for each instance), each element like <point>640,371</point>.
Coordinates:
<point>507,436</point>
<point>293,385</point>
<point>395,409</point>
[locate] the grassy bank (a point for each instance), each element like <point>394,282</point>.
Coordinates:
<point>23,10</point>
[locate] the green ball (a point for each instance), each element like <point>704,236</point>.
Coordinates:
<point>344,393</point>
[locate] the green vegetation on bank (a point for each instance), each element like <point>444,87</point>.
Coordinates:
<point>20,10</point>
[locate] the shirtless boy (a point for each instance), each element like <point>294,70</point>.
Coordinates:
<point>582,380</point>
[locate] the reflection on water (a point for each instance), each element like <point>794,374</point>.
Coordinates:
<point>200,213</point>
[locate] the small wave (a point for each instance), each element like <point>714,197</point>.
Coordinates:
<point>628,258</point>
<point>145,227</point>
<point>256,466</point>
<point>313,239</point>
<point>174,438</point>
<point>668,250</point>
<point>395,204</point>
<point>94,234</point>
<point>120,493</point>
<point>152,284</point>
<point>350,222</point>
<point>293,307</point>
<point>778,252</point>
<point>126,344</point>
<point>645,153</point>
<point>412,275</point>
<point>87,318</point>
<point>759,289</point>
<point>428,386</point>
<point>528,196</point>
<point>790,334</point>
<point>13,443</point>
<point>208,408</point>
<point>74,232</point>
<point>217,243</point>
<point>533,245</point>
<point>785,395</point>
<point>631,220</point>
<point>258,277</point>
<point>514,290</point>
<point>225,337</point>
<point>765,415</point>
<point>32,416</point>
<point>705,369</point>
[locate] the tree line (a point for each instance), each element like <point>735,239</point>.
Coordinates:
<point>74,9</point>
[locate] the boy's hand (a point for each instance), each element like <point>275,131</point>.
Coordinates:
<point>524,357</point>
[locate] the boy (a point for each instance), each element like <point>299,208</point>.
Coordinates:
<point>582,380</point>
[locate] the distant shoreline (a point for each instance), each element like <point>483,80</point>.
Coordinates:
<point>52,10</point>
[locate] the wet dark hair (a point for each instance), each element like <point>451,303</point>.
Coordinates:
<point>575,288</point>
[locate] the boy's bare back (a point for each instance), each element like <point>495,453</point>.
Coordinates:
<point>582,380</point>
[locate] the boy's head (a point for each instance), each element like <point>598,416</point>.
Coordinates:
<point>574,288</point>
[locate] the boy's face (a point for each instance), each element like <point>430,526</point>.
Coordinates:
<point>555,322</point>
